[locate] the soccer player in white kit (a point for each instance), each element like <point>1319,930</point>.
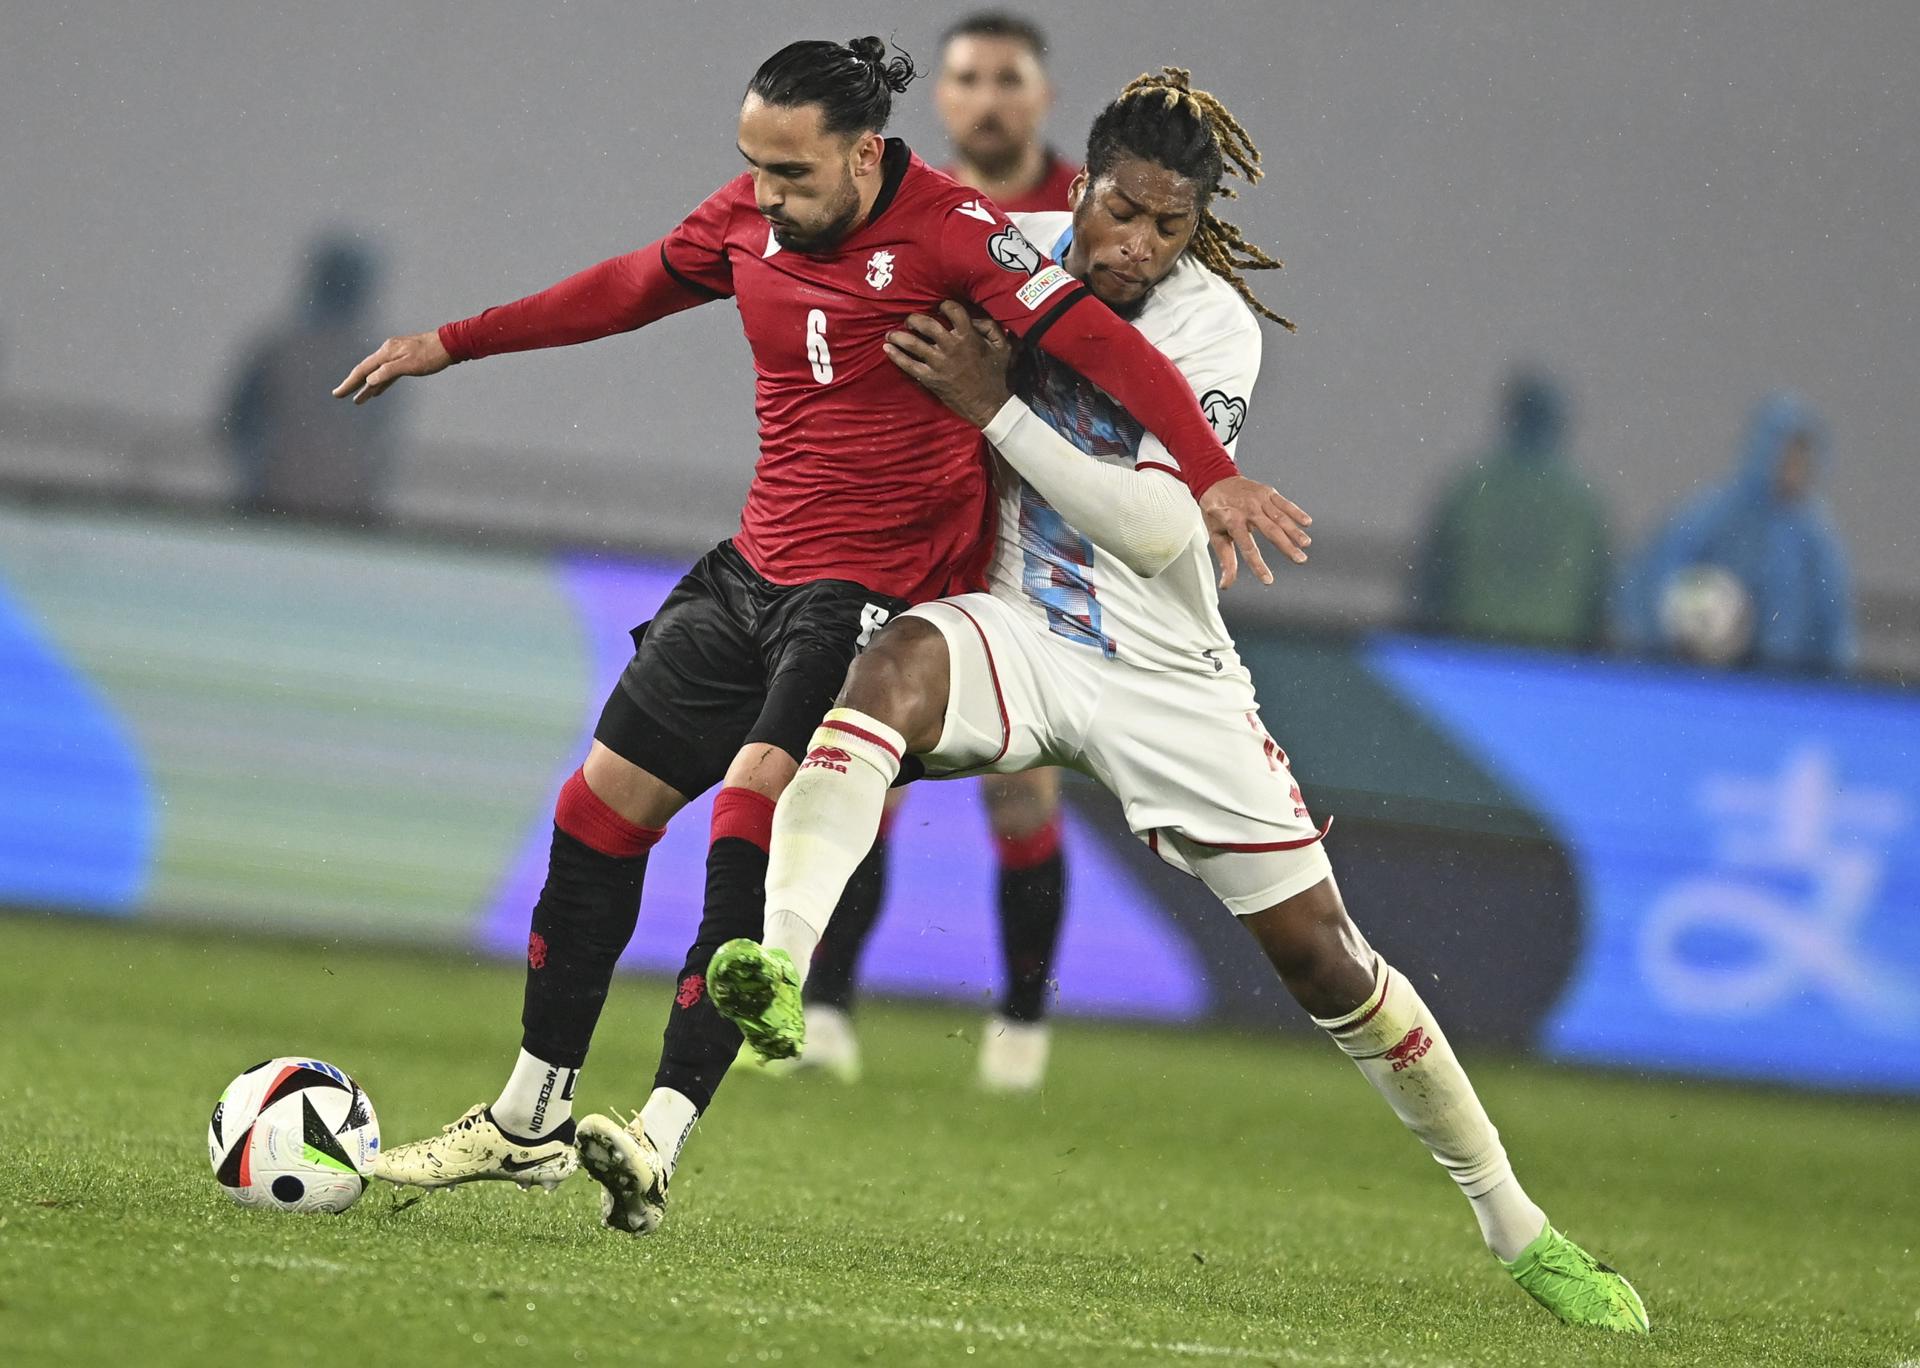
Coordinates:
<point>1099,646</point>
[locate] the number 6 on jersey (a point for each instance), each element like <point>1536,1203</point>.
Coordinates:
<point>817,352</point>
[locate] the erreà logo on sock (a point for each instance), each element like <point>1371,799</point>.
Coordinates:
<point>1413,1045</point>
<point>828,757</point>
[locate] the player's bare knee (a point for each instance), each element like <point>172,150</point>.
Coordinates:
<point>1018,805</point>
<point>762,767</point>
<point>630,791</point>
<point>901,680</point>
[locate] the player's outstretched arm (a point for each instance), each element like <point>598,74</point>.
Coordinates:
<point>616,296</point>
<point>396,358</point>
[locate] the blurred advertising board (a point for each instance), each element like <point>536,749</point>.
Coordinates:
<point>340,735</point>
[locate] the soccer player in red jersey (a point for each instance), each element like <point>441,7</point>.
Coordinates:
<point>869,495</point>
<point>993,95</point>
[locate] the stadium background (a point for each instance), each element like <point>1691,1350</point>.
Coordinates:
<point>359,735</point>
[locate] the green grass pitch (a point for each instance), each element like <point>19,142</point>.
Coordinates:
<point>1171,1198</point>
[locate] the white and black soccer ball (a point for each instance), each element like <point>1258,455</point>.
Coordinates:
<point>293,1134</point>
<point>1706,616</point>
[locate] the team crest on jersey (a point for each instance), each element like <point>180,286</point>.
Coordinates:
<point>1226,413</point>
<point>880,270</point>
<point>1010,249</point>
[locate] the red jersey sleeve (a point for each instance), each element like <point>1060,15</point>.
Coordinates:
<point>687,267</point>
<point>1007,276</point>
<point>695,253</point>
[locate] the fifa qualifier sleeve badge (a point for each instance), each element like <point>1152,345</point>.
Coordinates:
<point>1011,251</point>
<point>1226,413</point>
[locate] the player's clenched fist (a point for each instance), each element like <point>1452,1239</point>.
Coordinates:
<point>1238,507</point>
<point>420,354</point>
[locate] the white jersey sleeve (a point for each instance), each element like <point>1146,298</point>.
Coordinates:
<point>1143,517</point>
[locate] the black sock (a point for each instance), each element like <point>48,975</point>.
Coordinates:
<point>699,1044</point>
<point>836,960</point>
<point>584,919</point>
<point>1032,901</point>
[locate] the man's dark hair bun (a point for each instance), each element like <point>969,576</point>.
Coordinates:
<point>897,74</point>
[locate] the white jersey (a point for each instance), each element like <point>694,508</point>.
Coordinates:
<point>1057,577</point>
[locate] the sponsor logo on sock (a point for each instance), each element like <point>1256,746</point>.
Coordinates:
<point>1412,1048</point>
<point>536,951</point>
<point>828,757</point>
<point>546,1096</point>
<point>691,987</point>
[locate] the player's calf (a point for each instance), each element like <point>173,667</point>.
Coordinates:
<point>1316,949</point>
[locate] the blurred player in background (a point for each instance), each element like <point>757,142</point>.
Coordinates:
<point>294,453</point>
<point>993,96</point>
<point>1133,680</point>
<point>868,495</point>
<point>1751,571</point>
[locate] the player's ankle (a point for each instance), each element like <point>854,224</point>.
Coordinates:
<point>795,934</point>
<point>537,1101</point>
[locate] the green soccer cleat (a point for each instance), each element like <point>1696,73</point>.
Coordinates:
<point>757,990</point>
<point>1577,1287</point>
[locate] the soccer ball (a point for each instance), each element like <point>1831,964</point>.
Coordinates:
<point>293,1134</point>
<point>1706,615</point>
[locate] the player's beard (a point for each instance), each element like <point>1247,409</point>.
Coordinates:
<point>840,222</point>
<point>1129,309</point>
<point>991,151</point>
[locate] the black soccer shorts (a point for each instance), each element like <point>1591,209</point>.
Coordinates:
<point>732,659</point>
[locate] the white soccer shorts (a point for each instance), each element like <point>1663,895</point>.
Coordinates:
<point>1185,753</point>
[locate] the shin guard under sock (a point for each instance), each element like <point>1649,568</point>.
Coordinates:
<point>1396,1043</point>
<point>1033,894</point>
<point>699,1044</point>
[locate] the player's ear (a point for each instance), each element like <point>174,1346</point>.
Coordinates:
<point>869,149</point>
<point>1075,191</point>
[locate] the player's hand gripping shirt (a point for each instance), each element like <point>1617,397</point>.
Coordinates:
<point>863,475</point>
<point>1054,574</point>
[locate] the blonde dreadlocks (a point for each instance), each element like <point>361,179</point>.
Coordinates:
<point>1165,120</point>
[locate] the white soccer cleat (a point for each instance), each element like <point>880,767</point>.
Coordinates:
<point>473,1149</point>
<point>624,1162</point>
<point>1013,1055</point>
<point>832,1047</point>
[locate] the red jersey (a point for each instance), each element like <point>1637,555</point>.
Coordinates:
<point>863,475</point>
<point>1049,193</point>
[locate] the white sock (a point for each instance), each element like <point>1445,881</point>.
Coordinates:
<point>1401,1050</point>
<point>793,933</point>
<point>668,1120</point>
<point>825,825</point>
<point>538,1098</point>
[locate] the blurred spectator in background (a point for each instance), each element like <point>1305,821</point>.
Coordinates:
<point>296,451</point>
<point>1751,572</point>
<point>993,95</point>
<point>1517,549</point>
